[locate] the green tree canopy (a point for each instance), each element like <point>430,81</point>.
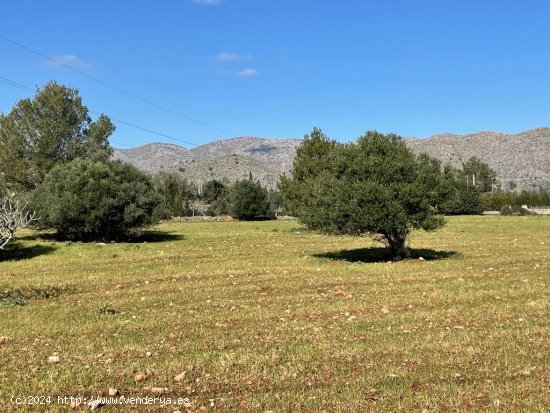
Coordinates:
<point>95,200</point>
<point>248,200</point>
<point>478,174</point>
<point>176,193</point>
<point>456,197</point>
<point>212,191</point>
<point>276,203</point>
<point>375,186</point>
<point>53,126</point>
<point>499,200</point>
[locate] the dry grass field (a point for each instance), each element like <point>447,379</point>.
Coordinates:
<point>266,317</point>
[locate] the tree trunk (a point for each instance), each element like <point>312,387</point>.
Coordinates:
<point>398,247</point>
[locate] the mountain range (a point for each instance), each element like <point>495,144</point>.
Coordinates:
<point>521,161</point>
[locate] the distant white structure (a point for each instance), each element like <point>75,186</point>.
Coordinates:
<point>538,210</point>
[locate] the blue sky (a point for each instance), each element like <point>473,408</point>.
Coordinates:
<point>277,68</point>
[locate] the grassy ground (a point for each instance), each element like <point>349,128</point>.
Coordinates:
<point>267,317</point>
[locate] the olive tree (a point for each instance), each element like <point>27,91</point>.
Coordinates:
<point>13,217</point>
<point>375,186</point>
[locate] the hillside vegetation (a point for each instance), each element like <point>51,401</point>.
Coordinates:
<point>521,161</point>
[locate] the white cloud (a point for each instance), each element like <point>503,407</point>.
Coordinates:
<point>247,73</point>
<point>211,2</point>
<point>228,56</point>
<point>69,60</point>
<point>233,57</point>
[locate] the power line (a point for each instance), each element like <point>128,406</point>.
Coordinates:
<point>146,129</point>
<point>15,84</point>
<point>112,141</point>
<point>120,143</point>
<point>28,88</point>
<point>109,85</point>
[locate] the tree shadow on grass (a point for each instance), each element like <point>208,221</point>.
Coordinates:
<point>378,254</point>
<point>16,252</point>
<point>156,236</point>
<point>146,236</point>
<point>39,236</point>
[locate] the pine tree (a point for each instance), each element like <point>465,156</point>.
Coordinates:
<point>50,128</point>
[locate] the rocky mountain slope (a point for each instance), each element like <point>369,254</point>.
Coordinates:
<point>522,161</point>
<point>273,151</point>
<point>229,159</point>
<point>230,168</point>
<point>154,156</point>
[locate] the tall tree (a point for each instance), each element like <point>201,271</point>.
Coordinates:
<point>478,174</point>
<point>51,127</point>
<point>458,198</point>
<point>312,156</point>
<point>375,186</point>
<point>176,193</point>
<point>173,195</point>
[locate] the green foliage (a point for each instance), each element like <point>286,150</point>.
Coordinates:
<point>95,200</point>
<point>220,206</point>
<point>276,203</point>
<point>466,201</point>
<point>478,174</point>
<point>52,127</point>
<point>212,191</point>
<point>312,156</point>
<point>456,197</point>
<point>176,193</point>
<point>497,201</point>
<point>248,200</point>
<point>375,187</point>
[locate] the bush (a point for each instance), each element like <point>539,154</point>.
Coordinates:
<point>95,200</point>
<point>248,200</point>
<point>515,210</point>
<point>497,201</point>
